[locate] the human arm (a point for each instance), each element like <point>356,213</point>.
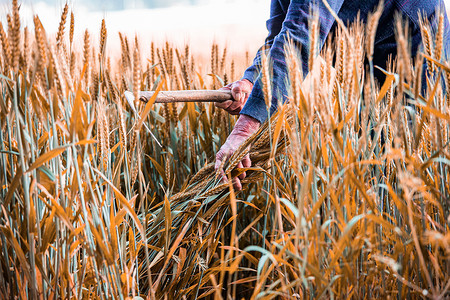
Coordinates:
<point>294,27</point>
<point>278,10</point>
<point>242,88</point>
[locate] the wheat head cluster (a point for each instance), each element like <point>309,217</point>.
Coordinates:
<point>348,195</point>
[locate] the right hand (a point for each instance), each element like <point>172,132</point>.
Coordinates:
<point>240,90</point>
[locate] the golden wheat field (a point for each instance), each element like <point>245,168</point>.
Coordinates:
<point>348,195</point>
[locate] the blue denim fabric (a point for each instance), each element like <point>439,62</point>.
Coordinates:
<point>290,18</point>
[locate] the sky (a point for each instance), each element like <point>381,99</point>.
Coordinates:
<point>194,22</point>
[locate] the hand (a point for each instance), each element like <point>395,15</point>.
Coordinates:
<point>244,128</point>
<point>240,90</point>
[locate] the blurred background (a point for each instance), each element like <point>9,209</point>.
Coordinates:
<point>239,25</point>
<point>139,4</point>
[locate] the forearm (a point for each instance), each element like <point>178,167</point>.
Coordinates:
<point>245,126</point>
<point>278,10</point>
<point>252,72</point>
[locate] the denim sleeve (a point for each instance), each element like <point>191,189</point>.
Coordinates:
<point>414,8</point>
<point>295,26</point>
<point>278,9</point>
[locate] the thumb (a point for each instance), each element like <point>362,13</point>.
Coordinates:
<point>237,92</point>
<point>219,158</point>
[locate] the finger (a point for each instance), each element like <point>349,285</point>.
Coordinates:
<point>225,88</point>
<point>238,90</point>
<point>218,167</point>
<point>237,93</point>
<point>224,105</point>
<point>237,186</point>
<point>219,158</point>
<point>223,177</point>
<point>234,111</point>
<point>240,166</point>
<point>246,162</point>
<point>236,106</point>
<point>238,96</point>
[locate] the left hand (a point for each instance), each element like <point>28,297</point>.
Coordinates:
<point>244,128</point>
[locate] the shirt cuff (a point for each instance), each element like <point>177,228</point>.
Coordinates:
<point>255,106</point>
<point>251,74</point>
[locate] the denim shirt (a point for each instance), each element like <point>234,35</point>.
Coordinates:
<point>290,18</point>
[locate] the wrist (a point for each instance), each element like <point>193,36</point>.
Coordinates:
<point>246,126</point>
<point>247,81</point>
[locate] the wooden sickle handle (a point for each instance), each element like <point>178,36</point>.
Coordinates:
<point>187,96</point>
